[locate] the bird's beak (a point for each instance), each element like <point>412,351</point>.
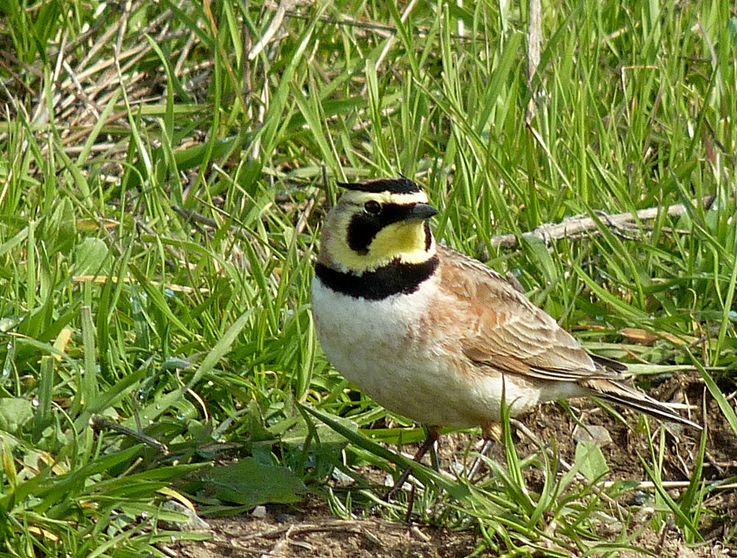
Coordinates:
<point>421,211</point>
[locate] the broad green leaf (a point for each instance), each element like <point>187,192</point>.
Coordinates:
<point>15,413</point>
<point>250,483</point>
<point>591,461</point>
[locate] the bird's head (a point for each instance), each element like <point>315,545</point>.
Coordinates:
<point>376,223</point>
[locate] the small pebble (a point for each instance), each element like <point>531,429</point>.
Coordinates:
<point>457,468</point>
<point>259,512</point>
<point>340,477</point>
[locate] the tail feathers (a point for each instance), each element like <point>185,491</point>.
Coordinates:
<point>618,392</point>
<point>609,364</point>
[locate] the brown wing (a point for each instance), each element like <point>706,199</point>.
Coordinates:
<point>505,331</point>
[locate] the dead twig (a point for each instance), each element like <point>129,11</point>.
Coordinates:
<point>99,422</point>
<point>579,226</point>
<point>271,30</point>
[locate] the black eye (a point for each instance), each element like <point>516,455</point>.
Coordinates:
<point>372,207</point>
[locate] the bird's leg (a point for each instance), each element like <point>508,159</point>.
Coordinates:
<point>492,434</point>
<point>410,504</point>
<point>434,456</point>
<point>433,434</point>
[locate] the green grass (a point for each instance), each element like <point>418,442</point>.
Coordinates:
<point>162,181</point>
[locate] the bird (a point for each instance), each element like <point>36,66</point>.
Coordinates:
<point>436,336</point>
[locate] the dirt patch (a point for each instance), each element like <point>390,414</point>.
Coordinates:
<point>314,532</point>
<point>670,544</point>
<point>629,439</point>
<point>630,449</point>
<point>311,530</point>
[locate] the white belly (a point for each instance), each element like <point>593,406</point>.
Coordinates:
<point>378,345</point>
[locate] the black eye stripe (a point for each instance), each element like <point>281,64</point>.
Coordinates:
<point>364,227</point>
<point>393,212</point>
<point>362,230</point>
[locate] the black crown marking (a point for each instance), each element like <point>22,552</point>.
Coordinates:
<point>401,185</point>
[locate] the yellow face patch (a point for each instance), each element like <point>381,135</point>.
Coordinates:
<point>405,240</point>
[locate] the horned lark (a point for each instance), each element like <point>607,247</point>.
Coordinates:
<point>436,336</point>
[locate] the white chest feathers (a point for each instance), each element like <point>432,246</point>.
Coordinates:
<point>355,332</point>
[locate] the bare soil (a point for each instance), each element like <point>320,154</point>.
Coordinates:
<point>310,530</point>
<point>314,532</point>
